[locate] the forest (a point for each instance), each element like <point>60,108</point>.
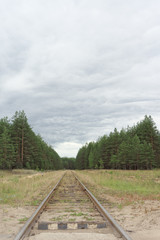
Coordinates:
<point>136,147</point>
<point>20,147</point>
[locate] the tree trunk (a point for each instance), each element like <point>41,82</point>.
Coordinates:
<point>22,147</point>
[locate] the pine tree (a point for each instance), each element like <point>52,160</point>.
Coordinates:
<point>91,159</point>
<point>7,157</point>
<point>21,147</point>
<point>147,156</point>
<point>20,129</point>
<point>114,162</point>
<point>137,147</point>
<point>104,153</point>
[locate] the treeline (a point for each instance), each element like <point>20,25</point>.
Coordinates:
<point>20,147</point>
<point>136,147</point>
<point>68,163</point>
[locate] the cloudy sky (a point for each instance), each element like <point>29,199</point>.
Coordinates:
<point>79,68</point>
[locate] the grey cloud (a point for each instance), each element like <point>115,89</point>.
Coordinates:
<point>79,68</point>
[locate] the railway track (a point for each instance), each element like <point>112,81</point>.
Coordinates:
<point>70,207</point>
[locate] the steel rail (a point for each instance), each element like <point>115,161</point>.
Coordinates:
<point>33,219</point>
<point>104,212</point>
<point>28,225</point>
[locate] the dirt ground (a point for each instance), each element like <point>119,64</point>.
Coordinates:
<point>12,219</point>
<point>141,221</point>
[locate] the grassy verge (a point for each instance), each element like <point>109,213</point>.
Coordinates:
<point>128,185</point>
<point>20,187</point>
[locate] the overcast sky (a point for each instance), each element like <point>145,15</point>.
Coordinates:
<point>79,68</point>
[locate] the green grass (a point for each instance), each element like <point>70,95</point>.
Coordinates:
<point>69,210</point>
<point>59,218</point>
<point>144,184</point>
<point>89,218</point>
<point>20,187</point>
<point>22,220</point>
<point>26,187</point>
<point>71,220</point>
<point>78,214</point>
<point>35,202</point>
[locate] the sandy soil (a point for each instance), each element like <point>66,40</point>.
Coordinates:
<point>141,221</point>
<point>139,216</point>
<point>73,236</point>
<point>11,220</point>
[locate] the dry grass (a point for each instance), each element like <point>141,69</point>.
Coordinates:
<point>129,186</point>
<point>21,187</point>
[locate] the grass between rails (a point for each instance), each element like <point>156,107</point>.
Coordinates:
<point>21,187</point>
<point>128,185</point>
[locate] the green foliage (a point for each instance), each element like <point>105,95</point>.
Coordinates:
<point>68,163</point>
<point>20,147</point>
<point>130,185</point>
<point>91,159</point>
<point>101,165</point>
<point>134,148</point>
<point>7,152</point>
<point>22,220</point>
